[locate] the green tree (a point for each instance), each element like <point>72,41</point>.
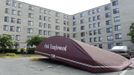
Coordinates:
<point>6,41</point>
<point>35,40</point>
<point>131,33</point>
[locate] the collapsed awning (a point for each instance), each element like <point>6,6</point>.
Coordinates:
<point>82,55</point>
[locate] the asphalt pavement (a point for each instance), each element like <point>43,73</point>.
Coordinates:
<point>26,66</point>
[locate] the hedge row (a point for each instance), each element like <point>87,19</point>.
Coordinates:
<point>18,51</point>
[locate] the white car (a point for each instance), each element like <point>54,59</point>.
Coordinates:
<point>122,50</point>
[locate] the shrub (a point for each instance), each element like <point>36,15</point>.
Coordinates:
<point>22,50</point>
<point>8,50</point>
<point>10,54</point>
<point>30,50</point>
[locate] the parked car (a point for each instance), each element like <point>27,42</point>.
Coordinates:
<point>122,50</point>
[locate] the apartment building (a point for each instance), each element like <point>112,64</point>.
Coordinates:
<point>103,26</point>
<point>22,21</point>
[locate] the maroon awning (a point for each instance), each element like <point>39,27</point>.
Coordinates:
<point>82,55</point>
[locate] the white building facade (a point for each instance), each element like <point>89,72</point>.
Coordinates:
<point>103,26</point>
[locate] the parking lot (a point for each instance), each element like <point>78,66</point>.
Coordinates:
<point>26,66</point>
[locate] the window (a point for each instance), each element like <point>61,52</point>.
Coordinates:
<point>12,28</point>
<point>83,40</point>
<point>74,29</point>
<point>65,16</point>
<point>30,15</point>
<point>45,25</point>
<point>115,2</point>
<point>67,22</point>
<point>117,27</point>
<point>57,20</point>
<point>64,28</point>
<point>31,7</point>
<point>73,17</point>
<point>89,19</point>
<point>41,10</point>
<point>90,40</point>
<point>109,30</point>
<point>98,24</point>
<point>64,22</point>
<point>100,46</point>
<point>57,33</point>
<point>110,45</point>
<point>81,15</point>
<point>49,12</point>
<point>108,22</point>
<point>40,24</point>
<point>30,23</point>
<point>18,29</point>
<point>82,27</point>
<point>5,27</point>
<point>19,5</point>
<point>19,13</point>
<point>64,34</point>
<point>98,17</point>
<point>95,32</point>
<point>118,36</point>
<point>68,35</point>
<point>119,44</point>
<point>18,21</point>
<point>81,21</point>
<point>6,19</point>
<point>74,23</point>
<point>116,10</point>
<point>57,14</point>
<point>94,18</point>
<point>90,25</point>
<point>74,35</point>
<point>14,4</point>
<point>57,27</point>
<point>94,25</point>
<point>49,19</point>
<point>40,32</point>
<point>13,20</point>
<point>30,30</point>
<point>40,17</point>
<point>89,12</point>
<point>14,12</point>
<point>99,39</point>
<point>45,11</point>
<point>45,18</point>
<point>7,10</point>
<point>98,10</point>
<point>107,15</point>
<point>18,37</point>
<point>8,2</point>
<point>68,29</point>
<point>107,7</point>
<point>29,37</point>
<point>82,34</point>
<point>49,33</point>
<point>90,33</point>
<point>93,11</point>
<point>110,38</point>
<point>49,26</point>
<point>99,31</point>
<point>117,19</point>
<point>95,39</point>
<point>45,32</point>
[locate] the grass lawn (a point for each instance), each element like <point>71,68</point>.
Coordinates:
<point>13,55</point>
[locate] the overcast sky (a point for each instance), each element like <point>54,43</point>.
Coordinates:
<point>68,6</point>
